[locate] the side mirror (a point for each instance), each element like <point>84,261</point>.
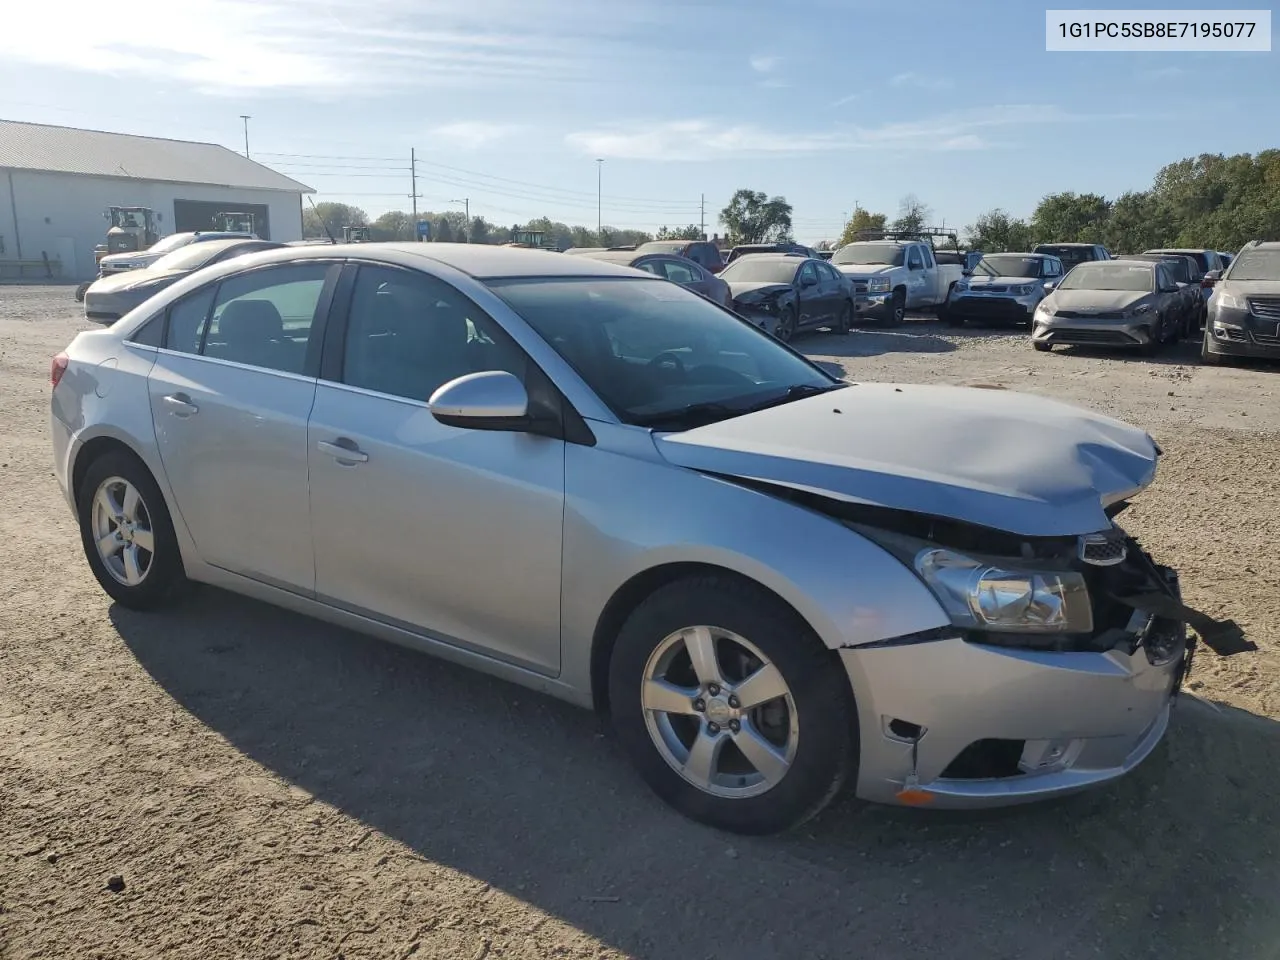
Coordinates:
<point>1213,276</point>
<point>915,266</point>
<point>1183,286</point>
<point>809,282</point>
<point>491,400</point>
<point>1051,286</point>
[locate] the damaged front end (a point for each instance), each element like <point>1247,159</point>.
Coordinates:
<point>1057,673</point>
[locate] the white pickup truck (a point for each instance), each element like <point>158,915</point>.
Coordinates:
<point>894,276</point>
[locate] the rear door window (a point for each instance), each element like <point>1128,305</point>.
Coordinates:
<point>186,321</point>
<point>265,318</point>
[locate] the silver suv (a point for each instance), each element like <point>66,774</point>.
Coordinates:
<point>1244,311</point>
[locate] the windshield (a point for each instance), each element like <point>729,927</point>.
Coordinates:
<point>889,254</point>
<point>1010,266</point>
<point>1110,275</point>
<point>656,352</point>
<point>1070,256</point>
<point>171,242</point>
<point>759,269</point>
<point>1256,265</point>
<point>191,257</point>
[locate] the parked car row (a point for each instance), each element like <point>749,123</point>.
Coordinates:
<point>582,478</point>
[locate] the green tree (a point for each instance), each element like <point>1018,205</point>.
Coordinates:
<point>753,217</point>
<point>442,231</point>
<point>861,223</point>
<point>691,232</point>
<point>479,230</point>
<point>1138,221</point>
<point>913,214</point>
<point>393,225</point>
<point>1071,218</point>
<point>333,215</point>
<point>997,232</point>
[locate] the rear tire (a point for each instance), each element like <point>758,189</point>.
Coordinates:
<point>802,729</point>
<point>843,319</point>
<point>1042,347</point>
<point>127,533</point>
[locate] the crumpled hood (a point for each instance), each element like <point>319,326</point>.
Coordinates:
<point>757,291</point>
<point>1016,462</point>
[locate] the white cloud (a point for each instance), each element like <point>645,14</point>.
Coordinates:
<point>845,99</point>
<point>473,134</point>
<point>246,47</point>
<point>763,64</point>
<point>921,81</point>
<point>704,139</point>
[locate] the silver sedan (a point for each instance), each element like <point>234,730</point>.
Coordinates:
<point>586,480</point>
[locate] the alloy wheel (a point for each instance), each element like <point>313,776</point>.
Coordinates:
<point>122,531</point>
<point>719,712</point>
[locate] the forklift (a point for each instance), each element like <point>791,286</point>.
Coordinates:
<point>132,228</point>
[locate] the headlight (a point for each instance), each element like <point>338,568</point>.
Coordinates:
<point>1045,309</point>
<point>985,597</point>
<point>879,285</point>
<point>1022,290</point>
<point>960,286</point>
<point>1138,311</point>
<point>1229,301</point>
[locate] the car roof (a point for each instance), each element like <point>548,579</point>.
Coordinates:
<point>479,260</point>
<point>669,244</point>
<point>1179,250</point>
<point>626,257</point>
<point>1018,253</point>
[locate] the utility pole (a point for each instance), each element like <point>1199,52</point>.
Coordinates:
<point>466,203</point>
<point>246,118</point>
<point>599,195</point>
<point>702,228</point>
<point>413,177</point>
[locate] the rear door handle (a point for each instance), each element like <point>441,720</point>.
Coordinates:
<point>180,405</point>
<point>342,452</point>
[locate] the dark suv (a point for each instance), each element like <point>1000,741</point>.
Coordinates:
<point>702,252</point>
<point>1072,253</point>
<point>1244,311</point>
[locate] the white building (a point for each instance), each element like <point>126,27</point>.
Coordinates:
<point>56,183</point>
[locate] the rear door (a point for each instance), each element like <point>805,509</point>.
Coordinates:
<point>231,391</point>
<point>687,274</point>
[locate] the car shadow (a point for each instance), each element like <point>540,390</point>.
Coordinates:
<point>532,796</point>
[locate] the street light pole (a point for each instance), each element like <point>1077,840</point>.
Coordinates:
<point>466,202</point>
<point>246,118</point>
<point>599,180</point>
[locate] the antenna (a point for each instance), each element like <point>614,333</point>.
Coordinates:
<point>328,233</point>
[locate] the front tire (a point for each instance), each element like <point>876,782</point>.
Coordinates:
<point>786,328</point>
<point>1208,358</point>
<point>127,533</point>
<point>898,308</point>
<point>1042,347</point>
<point>730,707</point>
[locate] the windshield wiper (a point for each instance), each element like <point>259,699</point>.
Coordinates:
<point>695,414</point>
<point>797,392</point>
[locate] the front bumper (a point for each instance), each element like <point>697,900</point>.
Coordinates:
<point>1007,309</point>
<point>1241,340</point>
<point>872,305</point>
<point>952,724</point>
<point>1134,332</point>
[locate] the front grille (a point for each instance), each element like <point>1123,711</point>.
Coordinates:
<point>1266,339</point>
<point>860,286</point>
<point>1091,336</point>
<point>989,289</point>
<point>1231,333</point>
<point>986,760</point>
<point>1268,308</point>
<point>1076,315</point>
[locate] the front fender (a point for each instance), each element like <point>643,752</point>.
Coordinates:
<point>625,515</point>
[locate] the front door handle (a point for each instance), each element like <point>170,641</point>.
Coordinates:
<point>344,452</point>
<point>180,405</point>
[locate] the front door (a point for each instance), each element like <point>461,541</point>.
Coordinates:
<point>230,393</point>
<point>444,531</point>
<point>813,309</point>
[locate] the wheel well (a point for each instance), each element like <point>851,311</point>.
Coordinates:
<point>95,448</point>
<point>629,596</point>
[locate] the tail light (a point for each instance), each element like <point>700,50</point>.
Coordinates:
<point>57,367</point>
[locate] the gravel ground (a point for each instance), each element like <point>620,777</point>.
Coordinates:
<point>262,785</point>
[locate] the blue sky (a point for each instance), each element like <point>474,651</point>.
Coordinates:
<point>510,102</point>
